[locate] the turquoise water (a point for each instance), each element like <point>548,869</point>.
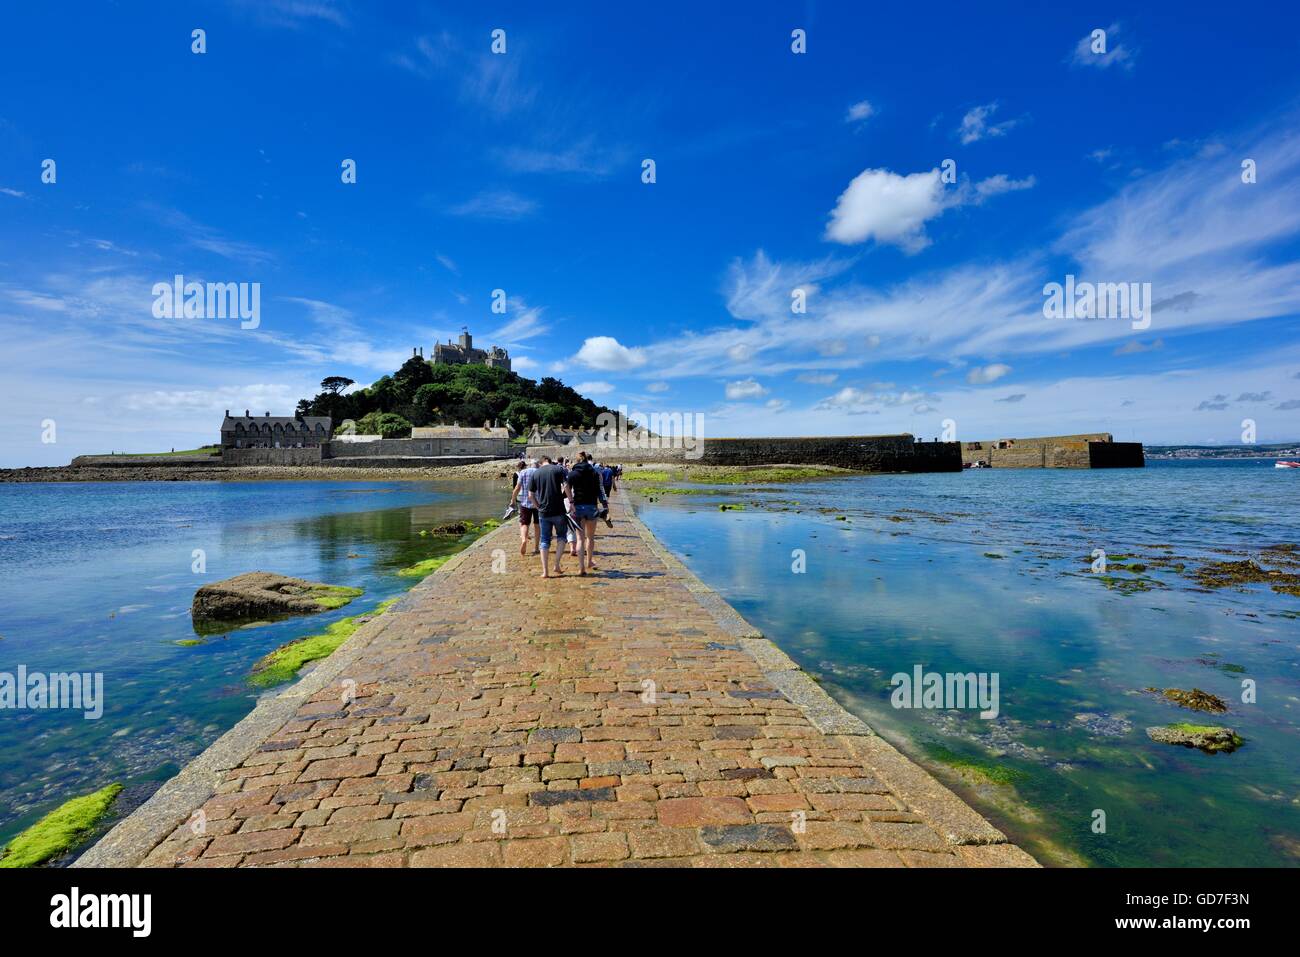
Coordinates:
<point>98,578</point>
<point>990,571</point>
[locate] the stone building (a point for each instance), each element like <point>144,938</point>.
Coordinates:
<point>429,442</point>
<point>274,431</point>
<point>464,353</point>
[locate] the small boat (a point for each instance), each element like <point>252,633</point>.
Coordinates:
<point>1286,465</point>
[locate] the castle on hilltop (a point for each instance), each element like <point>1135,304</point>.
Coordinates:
<point>463,353</point>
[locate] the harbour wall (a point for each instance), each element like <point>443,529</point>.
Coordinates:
<point>865,453</point>
<point>1085,451</point>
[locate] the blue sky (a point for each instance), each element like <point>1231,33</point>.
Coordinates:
<point>775,171</point>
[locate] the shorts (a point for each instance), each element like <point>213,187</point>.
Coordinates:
<point>527,516</point>
<point>548,525</point>
<point>585,512</point>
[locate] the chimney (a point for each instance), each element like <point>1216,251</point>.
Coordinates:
<point>246,415</point>
<point>227,413</point>
<point>268,415</point>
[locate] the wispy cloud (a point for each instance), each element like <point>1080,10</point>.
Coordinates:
<point>582,158</point>
<point>294,14</point>
<point>499,204</point>
<point>207,238</point>
<point>1103,52</point>
<point>525,323</point>
<point>977,124</point>
<point>484,80</point>
<point>859,112</point>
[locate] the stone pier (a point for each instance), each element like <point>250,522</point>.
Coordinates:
<point>492,718</point>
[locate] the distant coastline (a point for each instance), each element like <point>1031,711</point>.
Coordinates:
<point>1279,450</point>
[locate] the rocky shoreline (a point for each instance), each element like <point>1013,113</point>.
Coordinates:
<point>253,473</point>
<point>495,468</point>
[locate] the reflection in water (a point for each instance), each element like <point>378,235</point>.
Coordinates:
<point>991,573</point>
<point>98,577</point>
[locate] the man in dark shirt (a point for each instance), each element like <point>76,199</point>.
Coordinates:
<point>549,488</point>
<point>588,495</point>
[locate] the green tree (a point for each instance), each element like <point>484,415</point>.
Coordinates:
<point>385,424</point>
<point>334,384</point>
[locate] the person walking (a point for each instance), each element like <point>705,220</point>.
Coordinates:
<point>607,482</point>
<point>588,495</point>
<point>549,488</point>
<point>522,496</point>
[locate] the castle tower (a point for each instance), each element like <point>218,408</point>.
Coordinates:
<point>466,340</point>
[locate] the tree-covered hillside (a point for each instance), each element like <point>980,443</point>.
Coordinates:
<point>421,393</point>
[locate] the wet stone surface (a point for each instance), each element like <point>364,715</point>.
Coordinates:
<point>503,720</point>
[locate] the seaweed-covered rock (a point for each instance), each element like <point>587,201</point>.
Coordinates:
<point>1195,700</point>
<point>59,831</point>
<point>1247,572</point>
<point>451,528</point>
<point>1208,738</point>
<point>263,595</point>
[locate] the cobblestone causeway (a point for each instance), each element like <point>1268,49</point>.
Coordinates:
<point>503,720</point>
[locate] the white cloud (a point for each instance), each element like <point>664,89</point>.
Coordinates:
<point>501,204</point>
<point>983,375</point>
<point>594,388</point>
<point>207,238</point>
<point>447,263</point>
<point>607,353</point>
<point>892,208</point>
<point>882,205</point>
<point>1114,54</point>
<point>1151,408</point>
<point>657,387</point>
<point>1000,183</point>
<point>745,389</point>
<point>12,192</point>
<point>525,324</point>
<point>975,125</point>
<point>859,112</point>
<point>582,158</point>
<point>818,378</point>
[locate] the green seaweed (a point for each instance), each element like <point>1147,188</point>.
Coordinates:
<point>1212,737</point>
<point>61,830</point>
<point>284,662</point>
<point>649,476</point>
<point>330,597</point>
<point>989,772</point>
<point>426,567</point>
<point>449,539</point>
<point>717,475</point>
<point>726,476</point>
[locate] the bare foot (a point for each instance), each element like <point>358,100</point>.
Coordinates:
<point>544,575</point>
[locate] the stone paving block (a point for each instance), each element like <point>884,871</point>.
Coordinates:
<point>747,837</point>
<point>478,701</point>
